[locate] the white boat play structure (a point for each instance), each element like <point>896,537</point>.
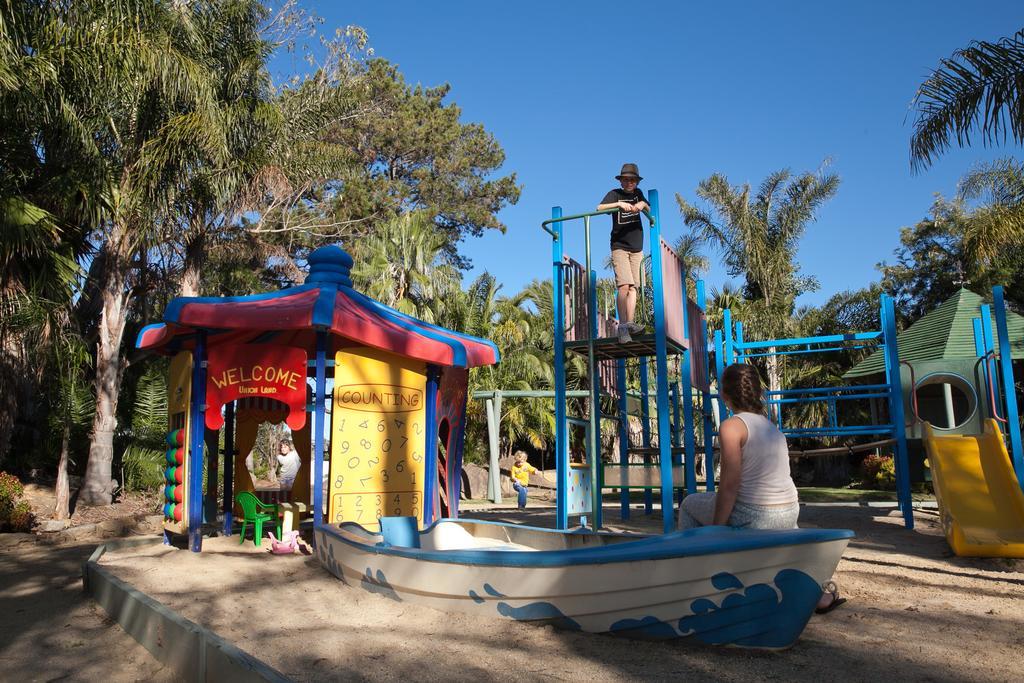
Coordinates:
<point>716,585</point>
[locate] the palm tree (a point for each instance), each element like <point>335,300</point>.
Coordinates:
<point>758,236</point>
<point>997,225</point>
<point>402,264</point>
<point>977,89</point>
<point>688,250</point>
<point>120,97</point>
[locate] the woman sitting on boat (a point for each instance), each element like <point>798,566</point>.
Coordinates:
<point>756,490</point>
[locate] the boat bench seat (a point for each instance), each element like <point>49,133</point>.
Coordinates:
<point>451,536</point>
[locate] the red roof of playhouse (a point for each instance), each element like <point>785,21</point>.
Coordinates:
<point>292,316</point>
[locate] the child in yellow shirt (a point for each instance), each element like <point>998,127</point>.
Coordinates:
<point>521,472</point>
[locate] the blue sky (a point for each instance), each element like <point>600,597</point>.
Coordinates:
<point>574,89</point>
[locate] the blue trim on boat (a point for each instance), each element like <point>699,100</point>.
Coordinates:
<point>687,543</point>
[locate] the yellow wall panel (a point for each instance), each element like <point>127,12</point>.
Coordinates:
<point>377,437</point>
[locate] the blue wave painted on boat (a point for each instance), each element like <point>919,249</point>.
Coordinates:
<point>534,611</point>
<point>756,617</point>
<point>650,628</point>
<point>379,585</point>
<point>539,611</point>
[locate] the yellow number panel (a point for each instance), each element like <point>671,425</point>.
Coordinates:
<point>377,437</point>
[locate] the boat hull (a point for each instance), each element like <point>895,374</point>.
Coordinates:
<point>759,595</point>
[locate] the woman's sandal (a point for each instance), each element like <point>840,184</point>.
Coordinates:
<point>832,589</point>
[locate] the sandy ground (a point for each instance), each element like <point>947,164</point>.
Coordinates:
<point>51,631</point>
<point>915,613</point>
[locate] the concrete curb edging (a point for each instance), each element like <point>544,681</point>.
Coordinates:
<point>194,652</point>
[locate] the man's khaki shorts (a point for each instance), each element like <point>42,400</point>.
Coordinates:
<point>627,267</point>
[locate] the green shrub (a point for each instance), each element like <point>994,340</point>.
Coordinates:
<point>878,472</point>
<point>143,468</point>
<point>10,491</point>
<point>14,513</point>
<point>21,517</point>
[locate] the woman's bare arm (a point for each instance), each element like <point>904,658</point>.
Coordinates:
<point>731,436</point>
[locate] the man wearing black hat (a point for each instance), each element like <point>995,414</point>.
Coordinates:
<point>627,244</point>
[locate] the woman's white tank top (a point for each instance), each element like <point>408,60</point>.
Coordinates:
<point>764,476</point>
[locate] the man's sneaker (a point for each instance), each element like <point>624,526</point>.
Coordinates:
<point>624,337</point>
<point>634,328</point>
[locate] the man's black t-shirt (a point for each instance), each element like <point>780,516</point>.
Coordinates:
<point>627,230</point>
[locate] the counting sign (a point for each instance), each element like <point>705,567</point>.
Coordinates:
<point>377,438</point>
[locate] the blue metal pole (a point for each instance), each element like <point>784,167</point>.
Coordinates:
<point>727,331</point>
<point>561,442</point>
<point>899,431</point>
<point>661,369</point>
<point>1009,390</point>
<point>430,447</point>
<point>686,396</point>
<point>991,367</point>
<point>645,418</point>
<point>709,449</point>
<point>738,346</point>
<point>620,379</point>
<point>319,423</point>
<point>979,351</point>
<point>197,434</point>
<point>594,371</point>
<point>229,466</point>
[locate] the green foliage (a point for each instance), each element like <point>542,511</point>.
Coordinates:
<point>21,517</point>
<point>977,90</point>
<point>418,155</point>
<point>143,458</point>
<point>142,468</point>
<point>758,236</point>
<point>945,252</point>
<point>14,512</point>
<point>878,472</point>
<point>10,491</point>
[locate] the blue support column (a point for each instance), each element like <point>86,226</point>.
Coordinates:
<point>319,425</point>
<point>645,418</point>
<point>980,350</point>
<point>720,363</point>
<point>705,400</point>
<point>727,331</point>
<point>620,380</point>
<point>896,414</point>
<point>197,434</point>
<point>430,446</point>
<point>661,369</point>
<point>594,433</point>
<point>738,346</point>
<point>686,397</point>
<point>229,467</point>
<point>561,440</point>
<point>1009,390</point>
<point>989,345</point>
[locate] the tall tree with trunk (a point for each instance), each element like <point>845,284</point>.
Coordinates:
<point>758,235</point>
<point>130,83</point>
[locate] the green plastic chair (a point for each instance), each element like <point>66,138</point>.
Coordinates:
<point>256,512</point>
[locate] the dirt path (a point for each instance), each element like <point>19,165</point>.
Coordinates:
<point>50,630</point>
<point>915,613</point>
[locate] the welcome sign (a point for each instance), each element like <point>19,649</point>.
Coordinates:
<point>256,371</point>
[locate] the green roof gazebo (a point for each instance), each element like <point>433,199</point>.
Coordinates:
<point>940,359</point>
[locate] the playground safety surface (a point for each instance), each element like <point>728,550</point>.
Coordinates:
<point>914,612</point>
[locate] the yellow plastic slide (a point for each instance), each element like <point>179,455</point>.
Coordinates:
<point>980,502</point>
